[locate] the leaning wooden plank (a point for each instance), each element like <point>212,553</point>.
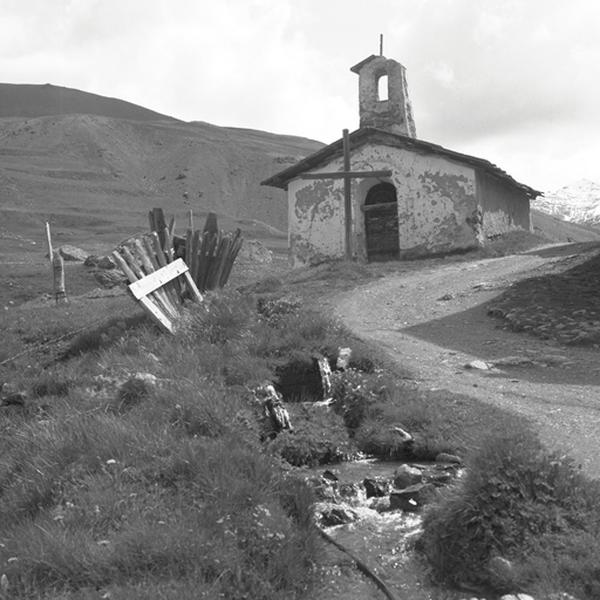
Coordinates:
<point>189,235</point>
<point>170,256</point>
<point>195,258</point>
<point>132,262</point>
<point>155,280</point>
<point>151,221</point>
<point>202,260</point>
<point>124,267</point>
<point>160,224</point>
<point>235,248</point>
<point>222,259</point>
<point>150,252</point>
<point>149,269</point>
<point>194,291</point>
<point>147,304</point>
<point>139,273</point>
<point>210,225</point>
<point>160,255</point>
<point>167,244</point>
<point>173,286</point>
<point>212,265</point>
<point>161,320</point>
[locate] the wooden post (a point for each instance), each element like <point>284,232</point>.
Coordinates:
<point>58,270</point>
<point>347,195</point>
<point>49,240</point>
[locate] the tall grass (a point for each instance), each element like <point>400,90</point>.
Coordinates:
<point>136,491</point>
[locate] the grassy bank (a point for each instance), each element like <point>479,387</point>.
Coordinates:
<point>522,504</point>
<point>164,484</point>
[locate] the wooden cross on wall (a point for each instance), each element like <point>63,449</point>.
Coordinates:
<point>347,175</point>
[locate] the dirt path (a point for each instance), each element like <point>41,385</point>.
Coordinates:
<point>433,320</point>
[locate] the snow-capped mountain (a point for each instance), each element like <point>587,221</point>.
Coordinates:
<point>578,203</point>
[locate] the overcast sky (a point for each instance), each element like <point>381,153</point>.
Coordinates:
<point>513,81</point>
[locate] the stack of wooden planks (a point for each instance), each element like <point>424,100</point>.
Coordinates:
<point>157,279</point>
<point>163,268</point>
<point>210,254</point>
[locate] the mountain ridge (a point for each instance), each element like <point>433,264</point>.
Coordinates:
<point>578,202</point>
<point>30,100</point>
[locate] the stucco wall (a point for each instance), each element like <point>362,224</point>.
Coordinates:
<point>436,204</point>
<point>503,207</point>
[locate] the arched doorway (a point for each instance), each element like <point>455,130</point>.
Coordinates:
<point>381,222</point>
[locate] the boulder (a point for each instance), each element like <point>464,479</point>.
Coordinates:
<point>406,476</point>
<point>110,279</point>
<point>412,498</point>
<point>501,570</point>
<point>330,514</point>
<point>106,262</point>
<point>479,365</point>
<point>255,252</point>
<point>91,261</point>
<point>381,505</point>
<point>72,253</point>
<point>375,487</point>
<point>444,457</point>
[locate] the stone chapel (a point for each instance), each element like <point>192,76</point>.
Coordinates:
<point>421,199</point>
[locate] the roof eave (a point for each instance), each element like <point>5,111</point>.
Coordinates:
<point>331,151</point>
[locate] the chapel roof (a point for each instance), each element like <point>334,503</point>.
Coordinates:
<point>366,135</point>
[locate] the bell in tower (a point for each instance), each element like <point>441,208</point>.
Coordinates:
<point>384,106</point>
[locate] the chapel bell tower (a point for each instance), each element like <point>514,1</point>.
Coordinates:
<point>383,96</point>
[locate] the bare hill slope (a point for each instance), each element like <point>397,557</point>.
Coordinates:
<point>32,100</point>
<point>556,230</point>
<point>116,169</point>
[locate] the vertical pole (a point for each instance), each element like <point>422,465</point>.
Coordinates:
<point>381,44</point>
<point>191,219</point>
<point>58,269</point>
<point>49,240</point>
<point>347,196</point>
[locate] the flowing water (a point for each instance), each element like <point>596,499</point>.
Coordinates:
<point>383,540</point>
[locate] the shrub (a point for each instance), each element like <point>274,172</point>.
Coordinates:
<point>51,384</point>
<point>518,502</point>
<point>319,437</point>
<point>356,394</point>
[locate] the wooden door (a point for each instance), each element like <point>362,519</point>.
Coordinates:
<point>381,222</point>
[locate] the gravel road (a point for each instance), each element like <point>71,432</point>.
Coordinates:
<point>432,319</point>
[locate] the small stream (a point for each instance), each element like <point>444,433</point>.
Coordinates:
<point>381,536</point>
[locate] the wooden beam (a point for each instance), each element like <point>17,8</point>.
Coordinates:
<point>369,207</point>
<point>347,195</point>
<point>342,174</point>
<point>153,281</point>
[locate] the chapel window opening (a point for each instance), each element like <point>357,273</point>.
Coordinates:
<point>382,88</point>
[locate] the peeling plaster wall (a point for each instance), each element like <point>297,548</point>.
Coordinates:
<point>503,207</point>
<point>437,206</point>
<point>315,220</point>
